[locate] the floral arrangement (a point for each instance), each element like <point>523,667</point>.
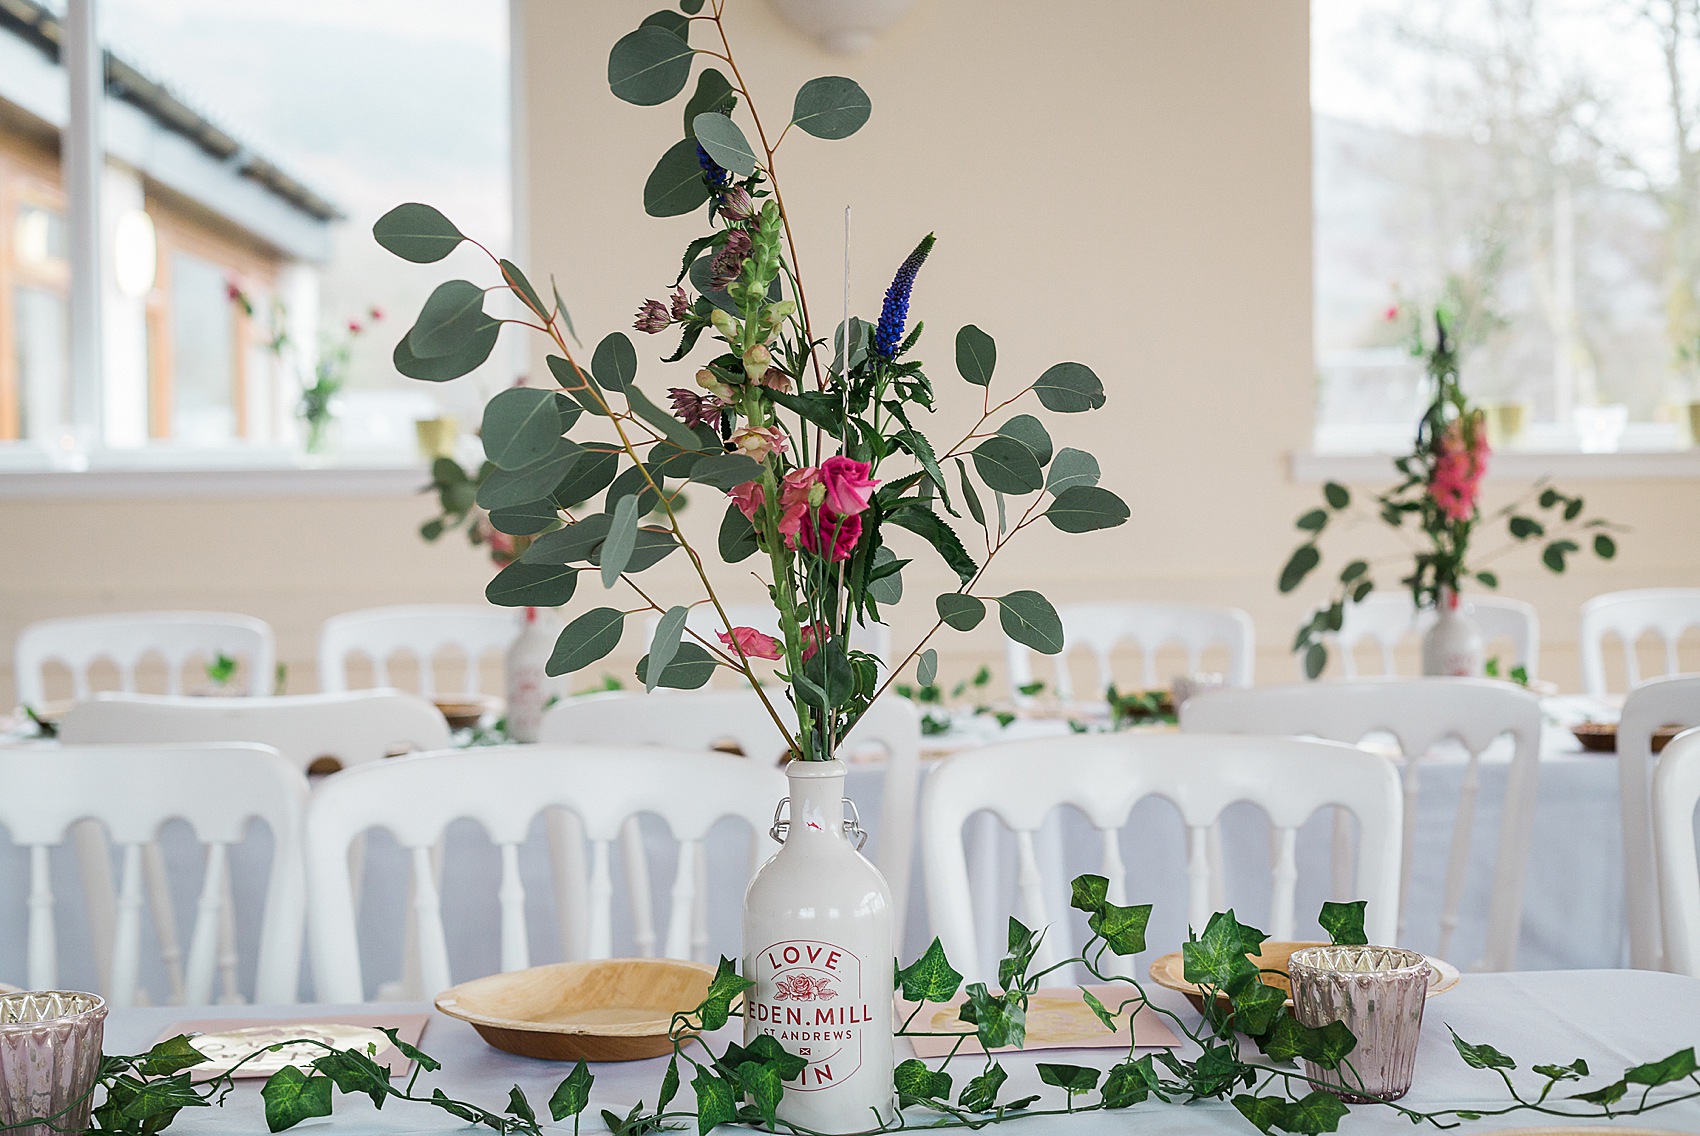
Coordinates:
<point>815,438</point>
<point>329,376</point>
<point>1439,490</point>
<point>1244,1011</point>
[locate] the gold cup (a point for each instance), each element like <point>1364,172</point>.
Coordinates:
<point>437,436</point>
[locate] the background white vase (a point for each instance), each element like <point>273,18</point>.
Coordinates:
<point>818,945</point>
<point>1453,646</point>
<point>527,680</point>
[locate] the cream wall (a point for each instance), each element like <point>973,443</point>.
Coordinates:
<point>1122,182</point>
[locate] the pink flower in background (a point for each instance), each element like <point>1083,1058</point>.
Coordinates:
<point>759,442</point>
<point>1392,313</point>
<point>752,643</point>
<point>1458,471</point>
<point>848,486</point>
<point>748,497</point>
<point>354,327</point>
<point>375,313</point>
<point>809,644</point>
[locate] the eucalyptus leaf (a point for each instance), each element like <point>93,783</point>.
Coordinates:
<point>1071,468</point>
<point>926,671</point>
<point>614,363</point>
<point>1085,508</point>
<point>521,426</point>
<point>578,541</point>
<point>673,22</point>
<point>592,636</point>
<point>532,585</point>
<point>1029,619</point>
<point>417,233</point>
<point>465,359</point>
<point>725,142</point>
<point>1007,466</point>
<point>524,520</point>
<point>594,472</point>
<point>649,66</point>
<point>960,611</point>
<point>622,538</point>
<point>452,315</point>
<point>885,588</point>
<point>737,536</point>
<point>725,471</point>
<point>508,488</point>
<point>517,281</point>
<point>676,185</point>
<point>1305,557</point>
<point>1069,388</point>
<point>671,428</point>
<point>976,355</point>
<point>664,645</point>
<point>691,668</point>
<point>713,93</point>
<point>970,496</point>
<point>1030,432</point>
<point>830,107</point>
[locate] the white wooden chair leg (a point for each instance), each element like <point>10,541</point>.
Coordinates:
<point>572,878</point>
<point>1458,861</point>
<point>158,880</point>
<point>642,899</point>
<point>230,992</point>
<point>94,864</point>
<point>1410,779</point>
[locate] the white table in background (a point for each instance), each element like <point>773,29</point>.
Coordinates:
<point>1612,1019</point>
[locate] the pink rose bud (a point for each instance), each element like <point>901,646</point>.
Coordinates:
<point>751,643</point>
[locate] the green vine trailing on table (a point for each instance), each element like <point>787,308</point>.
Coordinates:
<point>142,1095</point>
<point>814,436</point>
<point>1439,489</point>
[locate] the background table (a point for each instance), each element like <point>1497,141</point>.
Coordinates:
<point>1613,1019</point>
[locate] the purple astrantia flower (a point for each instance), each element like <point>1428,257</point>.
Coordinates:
<point>729,261</point>
<point>895,311</point>
<point>695,409</point>
<point>652,317</point>
<point>737,205</point>
<point>681,304</point>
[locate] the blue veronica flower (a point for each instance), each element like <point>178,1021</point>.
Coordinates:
<point>716,175</point>
<point>888,336</point>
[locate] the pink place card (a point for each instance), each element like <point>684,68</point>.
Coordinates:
<point>1057,1018</point>
<point>226,1041</point>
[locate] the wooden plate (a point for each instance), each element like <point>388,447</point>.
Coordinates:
<point>1170,971</point>
<point>1601,737</point>
<point>610,1010</point>
<point>463,711</point>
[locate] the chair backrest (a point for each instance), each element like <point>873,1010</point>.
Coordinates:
<point>1418,713</point>
<point>348,729</point>
<point>1105,775</point>
<point>504,788</point>
<point>175,638</point>
<point>417,630</point>
<point>704,719</point>
<point>1385,619</point>
<point>1102,627</point>
<point>1673,701</point>
<point>874,638</point>
<point>132,791</point>
<point>1629,615</point>
<point>1676,792</point>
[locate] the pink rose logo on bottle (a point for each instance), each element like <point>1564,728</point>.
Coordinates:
<point>808,996</point>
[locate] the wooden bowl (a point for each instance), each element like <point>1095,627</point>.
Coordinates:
<point>1601,737</point>
<point>1170,971</point>
<point>609,1010</point>
<point>463,711</point>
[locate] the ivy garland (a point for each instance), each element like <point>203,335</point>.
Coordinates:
<point>141,1095</point>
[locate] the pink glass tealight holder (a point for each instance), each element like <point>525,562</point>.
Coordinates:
<point>1378,992</point>
<point>49,1056</point>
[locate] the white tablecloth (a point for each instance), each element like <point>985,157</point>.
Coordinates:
<point>1612,1019</point>
<point>1573,914</point>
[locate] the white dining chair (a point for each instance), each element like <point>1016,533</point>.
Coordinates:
<point>1150,626</point>
<point>131,791</point>
<point>1386,619</point>
<point>503,788</point>
<point>1673,701</point>
<point>317,732</point>
<point>1676,793</point>
<point>417,631</point>
<point>736,718</point>
<point>1419,714</point>
<point>129,640</point>
<point>1627,616</point>
<point>705,622</point>
<point>1105,775</point>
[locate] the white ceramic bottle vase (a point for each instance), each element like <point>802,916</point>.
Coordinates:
<point>1453,646</point>
<point>528,682</point>
<point>818,944</point>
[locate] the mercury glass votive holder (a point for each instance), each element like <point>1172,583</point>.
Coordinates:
<point>49,1056</point>
<point>1378,992</point>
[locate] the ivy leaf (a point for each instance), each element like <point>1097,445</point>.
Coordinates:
<point>453,1107</point>
<point>762,1082</point>
<point>725,143</point>
<point>1098,1008</point>
<point>1023,945</point>
<point>1123,928</point>
<point>1069,388</point>
<point>1676,1067</point>
<point>927,670</point>
<point>980,1094</point>
<point>717,1101</point>
<point>1070,468</point>
<point>1071,1078</point>
<point>1325,1045</point>
<point>717,1003</point>
<point>519,1107</point>
<point>1315,1112</point>
<point>1089,893</point>
<point>417,233</point>
<point>1218,957</point>
<point>1257,1007</point>
<point>1605,1095</point>
<point>292,1096</point>
<point>172,1055</point>
<point>918,1084</point>
<point>1029,619</point>
<point>960,611</point>
<point>354,1072</point>
<point>830,107</point>
<point>412,1052</point>
<point>1344,922</point>
<point>649,66</point>
<point>768,1050</point>
<point>1336,495</point>
<point>1576,1070</point>
<point>998,1019</point>
<point>532,585</point>
<point>669,1085</point>
<point>1127,1084</point>
<point>1084,508</point>
<point>676,185</point>
<point>930,978</point>
<point>976,355</point>
<point>1304,558</point>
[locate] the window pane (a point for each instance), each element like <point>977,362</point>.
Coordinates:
<point>203,354</point>
<point>43,348</point>
<point>41,237</point>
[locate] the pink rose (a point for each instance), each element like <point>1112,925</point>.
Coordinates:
<point>751,643</point>
<point>822,529</point>
<point>800,490</point>
<point>848,486</point>
<point>748,497</point>
<point>809,644</point>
